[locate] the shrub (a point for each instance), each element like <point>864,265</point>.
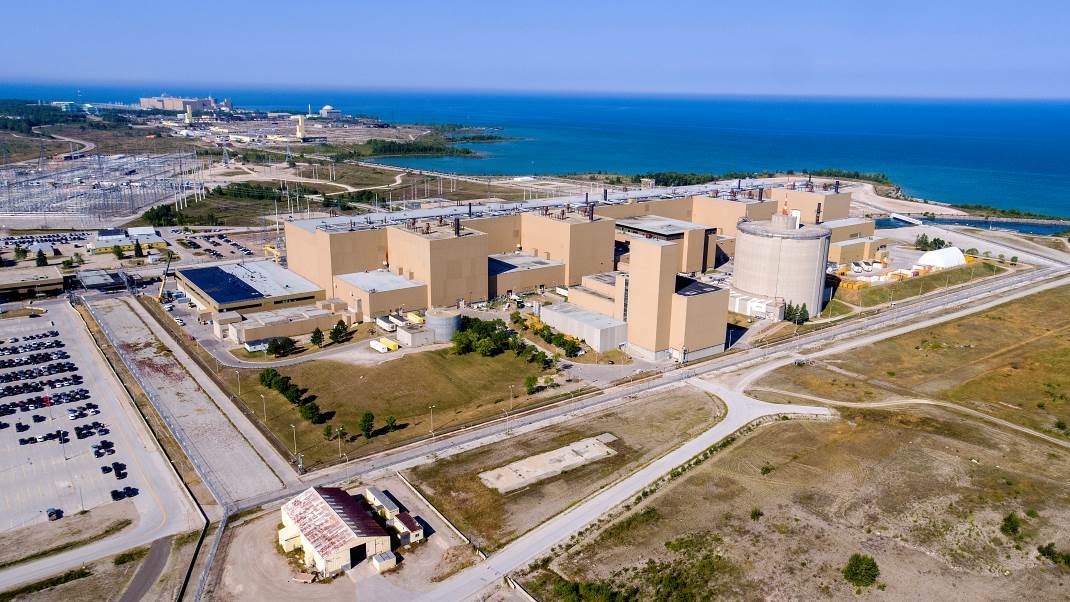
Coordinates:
<point>756,514</point>
<point>531,384</point>
<point>1011,526</point>
<point>861,570</point>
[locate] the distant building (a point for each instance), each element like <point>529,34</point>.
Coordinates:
<point>125,239</point>
<point>330,112</point>
<point>179,104</point>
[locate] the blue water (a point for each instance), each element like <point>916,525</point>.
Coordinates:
<point>1009,154</point>
<point>1041,229</point>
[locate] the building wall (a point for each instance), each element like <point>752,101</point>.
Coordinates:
<point>599,339</point>
<point>585,247</point>
<point>673,208</point>
<point>252,331</point>
<point>724,213</point>
<point>247,306</point>
<point>699,324</point>
<point>593,301</point>
<point>813,207</point>
<point>519,281</point>
<point>652,279</point>
<point>695,252</point>
<point>454,268</point>
<point>368,305</point>
<point>319,255</point>
<point>842,233</point>
<point>503,231</point>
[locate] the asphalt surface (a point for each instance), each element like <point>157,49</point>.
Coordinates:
<point>162,504</point>
<point>149,571</point>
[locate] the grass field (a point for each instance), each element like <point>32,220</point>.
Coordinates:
<point>463,389</point>
<point>20,148</point>
<point>776,516</point>
<point>913,287</point>
<point>835,308</point>
<point>1012,361</point>
<point>124,140</point>
<point>644,431</point>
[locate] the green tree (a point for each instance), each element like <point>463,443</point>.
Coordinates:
<point>391,423</point>
<point>516,317</point>
<point>117,251</point>
<point>280,346</point>
<point>1014,260</point>
<point>138,251</point>
<point>328,432</point>
<point>486,347</point>
<point>41,260</point>
<point>531,384</point>
<point>21,253</point>
<point>317,337</point>
<point>268,377</point>
<point>367,424</point>
<point>310,412</point>
<point>789,312</point>
<point>803,315</point>
<point>338,332</point>
<point>861,570</point>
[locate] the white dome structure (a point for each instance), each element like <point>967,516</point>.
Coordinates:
<point>948,257</point>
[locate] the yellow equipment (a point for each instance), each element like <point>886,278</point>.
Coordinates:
<point>163,279</point>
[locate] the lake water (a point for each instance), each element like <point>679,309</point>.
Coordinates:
<point>1009,154</point>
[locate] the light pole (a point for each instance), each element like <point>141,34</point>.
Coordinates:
<point>295,438</point>
<point>237,377</point>
<point>511,397</point>
<point>263,400</point>
<point>339,432</point>
<point>432,408</point>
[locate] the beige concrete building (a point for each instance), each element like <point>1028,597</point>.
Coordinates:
<point>669,315</point>
<point>813,206</point>
<point>583,244</point>
<point>698,243</point>
<point>724,213</point>
<point>514,273</point>
<point>601,293</point>
<point>781,259</point>
<point>334,530</point>
<point>288,322</point>
<point>867,248</point>
<point>379,292</point>
<point>319,253</point>
<point>450,258</point>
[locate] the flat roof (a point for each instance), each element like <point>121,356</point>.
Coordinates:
<point>856,241</point>
<point>609,278</point>
<point>378,280</point>
<point>847,221</point>
<point>233,282</point>
<point>690,287</point>
<point>769,229</point>
<point>591,318</point>
<point>661,226</point>
<point>29,275</point>
<point>510,262</point>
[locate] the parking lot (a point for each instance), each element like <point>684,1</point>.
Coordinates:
<point>67,441</point>
<point>218,246</point>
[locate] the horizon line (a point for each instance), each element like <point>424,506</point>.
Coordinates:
<point>266,87</point>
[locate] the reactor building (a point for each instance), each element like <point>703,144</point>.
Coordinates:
<point>782,259</point>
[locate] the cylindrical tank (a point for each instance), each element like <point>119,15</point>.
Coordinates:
<point>443,322</point>
<point>778,258</point>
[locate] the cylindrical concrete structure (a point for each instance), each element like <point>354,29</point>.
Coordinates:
<point>443,322</point>
<point>776,259</point>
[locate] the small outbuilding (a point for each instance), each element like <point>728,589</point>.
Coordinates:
<point>948,257</point>
<point>334,530</point>
<point>381,503</point>
<point>408,528</point>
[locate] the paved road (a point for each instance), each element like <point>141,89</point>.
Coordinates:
<point>742,410</point>
<point>149,571</point>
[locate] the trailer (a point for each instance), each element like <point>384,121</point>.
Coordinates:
<point>376,345</point>
<point>389,344</point>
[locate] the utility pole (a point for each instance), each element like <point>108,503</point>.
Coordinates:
<point>432,408</point>
<point>264,401</point>
<point>295,438</point>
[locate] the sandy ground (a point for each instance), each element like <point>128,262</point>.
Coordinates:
<point>76,526</point>
<point>866,197</point>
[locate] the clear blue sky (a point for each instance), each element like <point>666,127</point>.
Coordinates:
<point>919,48</point>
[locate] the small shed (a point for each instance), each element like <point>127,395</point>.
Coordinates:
<point>381,503</point>
<point>409,529</point>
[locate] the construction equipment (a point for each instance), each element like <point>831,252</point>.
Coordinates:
<point>163,278</point>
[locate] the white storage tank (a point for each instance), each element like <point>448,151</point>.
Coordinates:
<point>443,322</point>
<point>782,259</point>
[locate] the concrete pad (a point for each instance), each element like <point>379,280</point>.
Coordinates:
<point>542,466</point>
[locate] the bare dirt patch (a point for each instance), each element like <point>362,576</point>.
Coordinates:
<point>645,430</point>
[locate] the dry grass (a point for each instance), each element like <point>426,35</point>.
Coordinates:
<point>645,430</point>
<point>924,493</point>
<point>914,287</point>
<point>464,389</point>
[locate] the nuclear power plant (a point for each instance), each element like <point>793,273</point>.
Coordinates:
<point>654,277</point>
